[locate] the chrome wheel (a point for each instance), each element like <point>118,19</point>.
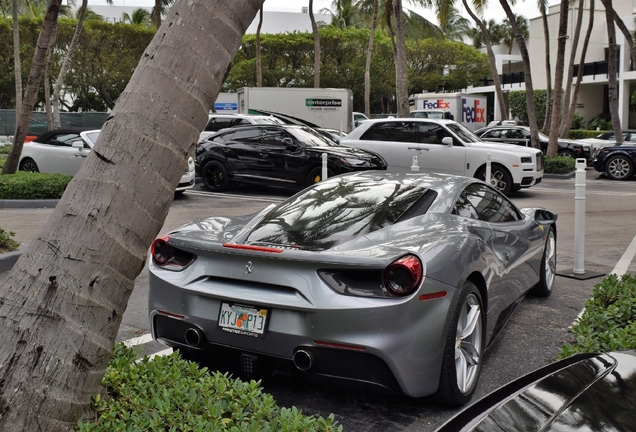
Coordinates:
<point>499,178</point>
<point>468,344</point>
<point>549,269</point>
<point>29,165</point>
<point>619,168</point>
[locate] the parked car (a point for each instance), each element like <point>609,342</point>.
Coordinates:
<point>520,135</point>
<point>586,392</point>
<point>276,155</point>
<point>616,161</point>
<point>62,151</point>
<point>400,280</point>
<point>608,139</point>
<point>358,118</point>
<point>447,147</point>
<point>333,134</point>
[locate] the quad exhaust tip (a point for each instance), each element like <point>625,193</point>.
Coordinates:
<point>304,360</point>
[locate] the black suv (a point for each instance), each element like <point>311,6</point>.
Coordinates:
<point>275,155</point>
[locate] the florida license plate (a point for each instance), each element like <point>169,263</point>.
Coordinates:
<point>243,319</point>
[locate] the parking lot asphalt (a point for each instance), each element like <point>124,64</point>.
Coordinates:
<point>531,339</point>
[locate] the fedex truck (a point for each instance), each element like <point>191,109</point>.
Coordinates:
<point>324,107</point>
<point>469,110</point>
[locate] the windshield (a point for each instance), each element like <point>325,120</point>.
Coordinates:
<point>463,133</point>
<point>311,137</point>
<point>93,137</point>
<point>333,213</point>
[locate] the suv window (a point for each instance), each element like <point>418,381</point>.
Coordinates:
<point>244,135</point>
<point>391,131</point>
<point>218,123</point>
<point>274,137</point>
<point>431,133</point>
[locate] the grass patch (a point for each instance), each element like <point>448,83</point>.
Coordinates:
<point>168,393</point>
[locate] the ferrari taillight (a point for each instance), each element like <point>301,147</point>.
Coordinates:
<point>168,257</point>
<point>404,275</point>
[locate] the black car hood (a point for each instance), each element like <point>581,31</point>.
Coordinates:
<point>595,393</point>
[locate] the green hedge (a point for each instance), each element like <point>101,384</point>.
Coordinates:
<point>171,394</point>
<point>28,185</point>
<point>580,133</point>
<point>608,322</point>
<point>559,165</point>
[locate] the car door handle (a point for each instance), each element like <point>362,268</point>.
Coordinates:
<point>418,148</point>
<point>81,154</point>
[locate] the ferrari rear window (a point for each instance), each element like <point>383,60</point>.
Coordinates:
<point>330,214</point>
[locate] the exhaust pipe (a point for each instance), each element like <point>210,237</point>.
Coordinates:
<point>304,360</point>
<point>193,337</point>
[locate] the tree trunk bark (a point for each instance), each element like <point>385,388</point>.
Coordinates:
<point>565,122</point>
<point>367,67</point>
<point>532,113</point>
<point>30,94</point>
<point>612,71</point>
<point>503,111</point>
<point>259,65</point>
<point>548,69</point>
<point>62,303</point>
<point>46,80</point>
<point>401,74</point>
<point>16,64</point>
<point>314,29</point>
<point>67,63</point>
<point>558,79</point>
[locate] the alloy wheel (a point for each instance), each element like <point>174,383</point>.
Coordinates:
<point>550,260</point>
<point>618,168</point>
<point>468,343</point>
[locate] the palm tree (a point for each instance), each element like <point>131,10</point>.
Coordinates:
<point>159,9</point>
<point>80,271</point>
<point>565,125</point>
<point>452,25</point>
<point>543,5</point>
<point>344,13</point>
<point>314,29</point>
<point>401,81</point>
<point>558,78</point>
<point>612,72</point>
<point>367,67</point>
<point>139,16</point>
<point>259,66</point>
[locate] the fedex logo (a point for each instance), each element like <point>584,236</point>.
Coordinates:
<point>472,114</point>
<point>438,104</point>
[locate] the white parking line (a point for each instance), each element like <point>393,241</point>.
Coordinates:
<point>626,259</point>
<point>138,340</point>
<point>240,197</point>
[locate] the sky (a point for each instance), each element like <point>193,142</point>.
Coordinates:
<point>527,8</point>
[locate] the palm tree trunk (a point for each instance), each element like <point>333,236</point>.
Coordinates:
<point>367,67</point>
<point>523,49</point>
<point>558,78</point>
<point>612,71</point>
<point>548,69</point>
<point>401,77</point>
<point>314,29</point>
<point>259,65</point>
<point>67,63</point>
<point>47,81</point>
<point>33,83</point>
<point>64,299</point>
<point>16,63</point>
<point>579,76</point>
<point>627,34</point>
<point>565,125</point>
<point>503,111</point>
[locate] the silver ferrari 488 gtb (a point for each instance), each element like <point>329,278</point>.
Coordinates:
<point>400,280</point>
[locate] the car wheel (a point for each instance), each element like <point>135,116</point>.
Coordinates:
<point>214,176</point>
<point>315,176</point>
<point>548,267</point>
<point>28,164</point>
<point>462,359</point>
<point>566,153</point>
<point>619,168</point>
<point>499,178</point>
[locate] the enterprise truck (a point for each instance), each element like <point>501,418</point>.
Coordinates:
<point>469,110</point>
<point>324,107</point>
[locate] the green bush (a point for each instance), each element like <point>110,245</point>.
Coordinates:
<point>582,133</point>
<point>28,185</point>
<point>7,244</point>
<point>607,324</point>
<point>559,165</point>
<point>601,122</point>
<point>171,394</point>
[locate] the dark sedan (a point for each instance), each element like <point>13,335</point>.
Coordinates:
<point>588,392</point>
<point>520,135</point>
<point>616,161</point>
<point>276,155</point>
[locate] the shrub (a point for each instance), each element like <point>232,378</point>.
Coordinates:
<point>582,133</point>
<point>559,165</point>
<point>168,393</point>
<point>607,324</point>
<point>7,244</point>
<point>28,185</point>
<point>602,122</point>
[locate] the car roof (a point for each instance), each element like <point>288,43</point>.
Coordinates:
<point>74,130</point>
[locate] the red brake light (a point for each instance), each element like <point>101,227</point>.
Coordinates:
<point>252,248</point>
<point>161,251</point>
<point>404,275</point>
<point>169,258</point>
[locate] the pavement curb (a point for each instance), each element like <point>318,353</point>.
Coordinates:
<point>8,259</point>
<point>560,176</point>
<point>43,203</point>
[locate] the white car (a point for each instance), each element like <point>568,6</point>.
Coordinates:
<point>446,146</point>
<point>62,151</point>
<point>218,121</point>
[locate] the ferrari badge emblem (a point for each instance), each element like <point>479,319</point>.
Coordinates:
<point>248,267</point>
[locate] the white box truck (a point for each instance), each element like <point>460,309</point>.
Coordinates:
<point>325,107</point>
<point>469,110</point>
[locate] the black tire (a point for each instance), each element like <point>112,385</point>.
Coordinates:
<point>464,348</point>
<point>28,164</point>
<point>177,194</point>
<point>499,178</point>
<point>619,167</point>
<point>548,267</point>
<point>315,176</point>
<point>215,177</point>
<point>566,153</point>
